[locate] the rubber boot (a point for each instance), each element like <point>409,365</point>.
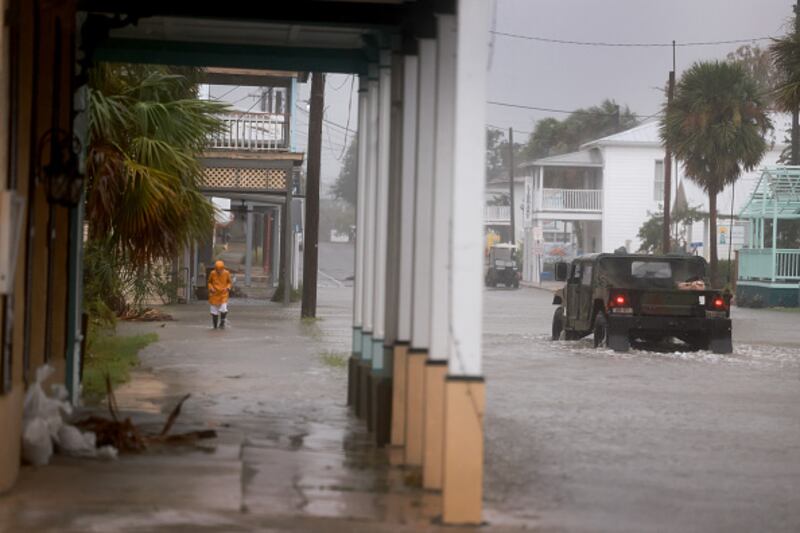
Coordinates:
<point>215,320</point>
<point>222,320</point>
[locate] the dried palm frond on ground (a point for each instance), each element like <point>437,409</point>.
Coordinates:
<point>126,437</point>
<point>147,314</point>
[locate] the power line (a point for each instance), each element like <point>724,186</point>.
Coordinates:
<point>567,111</point>
<point>627,45</point>
<point>346,79</point>
<point>329,122</point>
<point>349,109</point>
<point>225,94</point>
<point>498,128</point>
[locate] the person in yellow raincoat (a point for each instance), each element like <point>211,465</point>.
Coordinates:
<point>219,286</point>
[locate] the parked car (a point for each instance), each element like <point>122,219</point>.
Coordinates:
<point>621,297</point>
<point>502,266</point>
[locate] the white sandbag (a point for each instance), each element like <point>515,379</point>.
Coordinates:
<point>37,445</point>
<point>72,441</point>
<point>107,452</point>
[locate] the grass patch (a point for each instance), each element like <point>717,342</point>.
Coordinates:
<point>787,309</point>
<point>335,359</point>
<point>113,355</point>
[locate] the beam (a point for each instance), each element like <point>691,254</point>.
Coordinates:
<point>436,366</point>
<point>405,248</point>
<point>423,216</point>
<point>358,280</point>
<point>465,390</point>
<point>332,60</point>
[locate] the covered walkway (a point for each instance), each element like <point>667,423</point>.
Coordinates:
<point>415,375</point>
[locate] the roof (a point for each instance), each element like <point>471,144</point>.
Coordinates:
<point>644,134</point>
<point>647,134</point>
<point>581,158</point>
<point>777,194</point>
<point>603,255</point>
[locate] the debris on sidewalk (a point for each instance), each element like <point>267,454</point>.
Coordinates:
<point>124,436</point>
<point>148,314</point>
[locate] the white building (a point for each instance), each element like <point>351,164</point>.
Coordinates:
<point>596,199</point>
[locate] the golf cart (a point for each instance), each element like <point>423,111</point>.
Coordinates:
<point>502,266</point>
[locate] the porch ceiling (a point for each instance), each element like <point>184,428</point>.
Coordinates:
<point>299,35</point>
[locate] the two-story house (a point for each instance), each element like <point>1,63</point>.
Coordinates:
<point>597,198</point>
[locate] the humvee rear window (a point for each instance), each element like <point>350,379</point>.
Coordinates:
<point>651,269</point>
<point>643,273</point>
<point>503,254</point>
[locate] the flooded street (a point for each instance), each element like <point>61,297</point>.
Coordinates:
<point>589,440</point>
<point>577,439</point>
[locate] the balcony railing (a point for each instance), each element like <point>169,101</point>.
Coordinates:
<point>497,214</point>
<point>252,132</point>
<point>589,200</point>
<point>762,263</point>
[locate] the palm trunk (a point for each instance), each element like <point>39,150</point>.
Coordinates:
<point>712,235</point>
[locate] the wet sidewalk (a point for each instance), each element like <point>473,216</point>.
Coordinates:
<point>288,456</point>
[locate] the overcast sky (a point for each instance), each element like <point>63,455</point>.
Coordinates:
<point>569,77</point>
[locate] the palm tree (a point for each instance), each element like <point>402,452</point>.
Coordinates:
<point>146,128</point>
<point>785,54</point>
<point>715,126</point>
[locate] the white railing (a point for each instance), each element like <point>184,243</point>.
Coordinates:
<point>569,200</point>
<point>497,214</point>
<point>252,132</point>
<point>762,263</point>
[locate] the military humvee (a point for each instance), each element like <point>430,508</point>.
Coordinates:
<point>501,266</point>
<point>621,297</point>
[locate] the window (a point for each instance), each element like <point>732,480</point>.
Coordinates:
<point>576,272</point>
<point>658,183</point>
<point>586,281</point>
<point>651,269</point>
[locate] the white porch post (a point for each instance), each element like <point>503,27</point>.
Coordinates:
<point>358,283</point>
<point>421,283</point>
<point>406,247</point>
<point>384,377</point>
<point>465,394</point>
<point>248,253</point>
<point>367,314</point>
<point>436,366</point>
<point>381,207</point>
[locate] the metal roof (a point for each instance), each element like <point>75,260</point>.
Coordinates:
<point>776,195</point>
<point>647,134</point>
<point>581,158</point>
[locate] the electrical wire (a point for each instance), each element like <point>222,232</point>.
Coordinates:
<point>225,94</point>
<point>349,110</point>
<point>567,111</point>
<point>626,45</point>
<point>346,79</point>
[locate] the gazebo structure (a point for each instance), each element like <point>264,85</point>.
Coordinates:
<point>768,273</point>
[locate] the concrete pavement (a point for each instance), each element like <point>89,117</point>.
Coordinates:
<point>577,439</point>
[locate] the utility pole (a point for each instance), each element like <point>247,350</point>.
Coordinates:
<point>796,111</point>
<point>666,234</point>
<point>513,237</point>
<point>310,242</point>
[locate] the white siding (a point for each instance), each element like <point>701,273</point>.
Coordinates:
<point>628,176</point>
<point>628,180</point>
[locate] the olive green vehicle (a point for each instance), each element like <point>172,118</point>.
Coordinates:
<point>621,298</point>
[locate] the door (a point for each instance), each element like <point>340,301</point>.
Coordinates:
<point>573,292</point>
<point>585,295</point>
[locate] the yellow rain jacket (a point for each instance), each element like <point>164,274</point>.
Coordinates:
<point>218,285</point>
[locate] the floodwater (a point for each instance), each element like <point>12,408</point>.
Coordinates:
<point>577,439</point>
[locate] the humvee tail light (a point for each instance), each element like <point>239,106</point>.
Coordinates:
<point>618,300</point>
<point>619,304</point>
<point>719,303</point>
